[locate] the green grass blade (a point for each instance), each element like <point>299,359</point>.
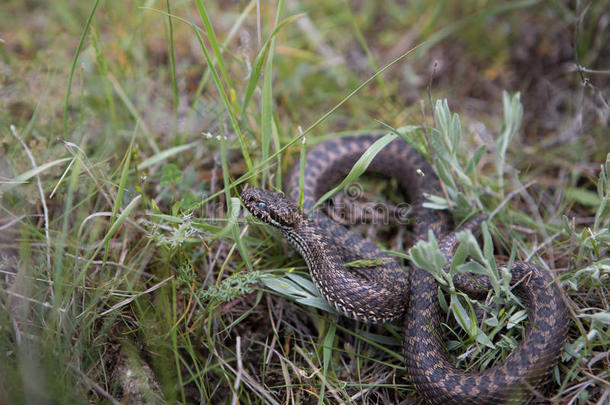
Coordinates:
<point>73,68</point>
<point>166,154</point>
<point>113,229</point>
<point>359,167</point>
<point>172,59</point>
<point>225,99</point>
<point>327,351</point>
<point>120,191</point>
<point>134,112</point>
<point>196,98</point>
<point>25,176</point>
<point>267,106</point>
<point>212,38</point>
<point>367,51</point>
<point>258,64</point>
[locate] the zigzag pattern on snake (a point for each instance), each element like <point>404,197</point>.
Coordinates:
<point>387,293</point>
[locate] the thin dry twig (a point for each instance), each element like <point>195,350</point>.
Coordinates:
<point>547,242</point>
<point>95,386</point>
<point>61,178</point>
<point>239,373</point>
<point>316,371</point>
<point>509,197</point>
<point>74,149</point>
<point>25,298</point>
<point>248,380</point>
<point>129,300</point>
<point>11,223</point>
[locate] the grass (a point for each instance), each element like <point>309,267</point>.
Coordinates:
<point>127,130</point>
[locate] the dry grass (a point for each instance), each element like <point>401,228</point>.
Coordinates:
<point>129,274</point>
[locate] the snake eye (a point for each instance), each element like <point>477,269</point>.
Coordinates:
<point>262,206</point>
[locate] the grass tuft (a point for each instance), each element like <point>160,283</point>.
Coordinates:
<point>127,263</point>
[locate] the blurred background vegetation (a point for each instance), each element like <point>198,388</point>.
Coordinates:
<point>127,272</point>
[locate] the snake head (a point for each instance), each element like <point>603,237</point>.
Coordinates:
<point>272,208</point>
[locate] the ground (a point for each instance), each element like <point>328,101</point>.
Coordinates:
<point>129,271</point>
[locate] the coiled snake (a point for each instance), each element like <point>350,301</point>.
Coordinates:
<point>386,292</point>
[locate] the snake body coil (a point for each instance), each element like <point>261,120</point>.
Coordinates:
<point>386,292</point>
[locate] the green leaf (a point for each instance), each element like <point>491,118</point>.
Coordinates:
<point>304,283</point>
<point>318,303</point>
<point>462,316</point>
<point>582,196</point>
<point>459,257</point>
<point>601,316</point>
<point>435,202</point>
<point>170,174</point>
<point>444,173</point>
<point>483,339</point>
<point>327,345</point>
<point>189,202</point>
<point>488,247</point>
<point>470,242</point>
<point>456,132</point>
<point>299,290</point>
<point>360,166</point>
<point>369,262</point>
<point>437,145</point>
<point>427,255</point>
<point>442,118</point>
<point>25,176</point>
<point>492,321</point>
<point>412,134</point>
<point>516,318</point>
<point>442,300</point>
<point>287,287</point>
<point>472,267</point>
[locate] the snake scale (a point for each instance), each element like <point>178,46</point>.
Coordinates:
<point>387,292</point>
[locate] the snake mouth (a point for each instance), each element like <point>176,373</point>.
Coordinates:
<point>252,199</point>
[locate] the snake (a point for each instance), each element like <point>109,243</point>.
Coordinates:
<point>385,292</point>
